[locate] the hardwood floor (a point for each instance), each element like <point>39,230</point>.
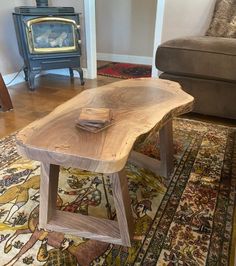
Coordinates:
<point>52,90</point>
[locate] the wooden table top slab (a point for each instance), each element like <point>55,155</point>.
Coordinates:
<point>138,105</point>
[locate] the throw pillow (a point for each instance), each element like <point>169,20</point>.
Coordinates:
<point>223,23</point>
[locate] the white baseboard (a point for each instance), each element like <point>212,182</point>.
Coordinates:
<point>133,59</point>
<point>21,78</point>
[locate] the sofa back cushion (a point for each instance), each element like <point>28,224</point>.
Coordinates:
<point>223,23</point>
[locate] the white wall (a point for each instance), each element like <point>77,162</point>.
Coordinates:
<point>186,18</point>
<point>10,60</point>
<point>125,27</point>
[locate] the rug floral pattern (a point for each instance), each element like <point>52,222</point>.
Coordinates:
<point>184,220</point>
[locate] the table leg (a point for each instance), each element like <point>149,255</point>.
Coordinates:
<point>123,206</point>
<point>164,166</point>
<point>48,192</point>
<point>82,225</point>
<point>166,149</point>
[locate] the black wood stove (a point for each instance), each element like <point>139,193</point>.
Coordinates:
<point>48,38</point>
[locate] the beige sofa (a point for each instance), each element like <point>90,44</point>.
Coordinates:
<point>206,68</point>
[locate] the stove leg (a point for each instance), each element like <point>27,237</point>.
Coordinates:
<point>31,81</point>
<point>25,69</point>
<point>80,71</point>
<point>71,73</point>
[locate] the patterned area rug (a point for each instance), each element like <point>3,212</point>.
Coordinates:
<point>125,71</point>
<point>184,220</point>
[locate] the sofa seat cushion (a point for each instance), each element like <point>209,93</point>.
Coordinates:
<point>204,57</point>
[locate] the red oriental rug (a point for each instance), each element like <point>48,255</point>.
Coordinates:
<point>125,70</point>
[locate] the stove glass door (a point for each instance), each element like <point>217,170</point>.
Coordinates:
<point>52,35</point>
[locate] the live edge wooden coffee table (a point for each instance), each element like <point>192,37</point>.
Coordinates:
<point>138,106</point>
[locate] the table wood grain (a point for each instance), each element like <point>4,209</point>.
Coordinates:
<point>137,105</point>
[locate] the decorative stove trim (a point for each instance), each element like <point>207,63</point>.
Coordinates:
<point>29,34</point>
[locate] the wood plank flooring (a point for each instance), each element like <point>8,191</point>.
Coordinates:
<point>51,91</point>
